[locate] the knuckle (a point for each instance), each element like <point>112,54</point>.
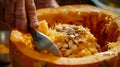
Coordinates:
<point>20,15</point>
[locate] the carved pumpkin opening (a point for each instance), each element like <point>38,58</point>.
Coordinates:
<point>102,25</point>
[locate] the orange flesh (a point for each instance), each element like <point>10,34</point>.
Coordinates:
<point>87,46</point>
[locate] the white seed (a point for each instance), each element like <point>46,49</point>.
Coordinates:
<point>74,47</point>
<point>68,52</point>
<point>65,46</point>
<point>59,45</point>
<point>72,36</point>
<point>70,43</point>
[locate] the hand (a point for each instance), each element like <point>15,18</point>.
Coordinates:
<point>17,13</point>
<point>22,13</point>
<point>46,3</point>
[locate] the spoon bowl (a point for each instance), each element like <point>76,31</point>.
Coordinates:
<point>42,42</point>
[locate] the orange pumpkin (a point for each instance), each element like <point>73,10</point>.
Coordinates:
<point>103,24</point>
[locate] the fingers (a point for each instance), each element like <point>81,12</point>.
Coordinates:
<point>19,12</point>
<point>54,3</point>
<point>31,13</point>
<point>20,15</point>
<point>46,3</point>
<point>9,13</point>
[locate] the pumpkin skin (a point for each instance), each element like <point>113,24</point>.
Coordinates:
<point>89,16</point>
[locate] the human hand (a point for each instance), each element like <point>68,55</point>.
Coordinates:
<point>17,13</point>
<point>46,3</point>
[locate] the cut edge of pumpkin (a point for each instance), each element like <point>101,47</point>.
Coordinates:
<point>99,57</point>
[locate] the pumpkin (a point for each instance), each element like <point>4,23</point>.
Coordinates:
<point>103,24</point>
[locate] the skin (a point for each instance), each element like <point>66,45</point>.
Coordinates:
<point>21,14</point>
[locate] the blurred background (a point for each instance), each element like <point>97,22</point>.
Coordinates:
<point>113,5</point>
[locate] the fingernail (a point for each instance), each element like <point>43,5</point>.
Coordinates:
<point>34,25</point>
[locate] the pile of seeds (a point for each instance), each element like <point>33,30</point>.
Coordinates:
<point>75,41</point>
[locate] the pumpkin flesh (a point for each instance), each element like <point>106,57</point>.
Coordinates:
<point>100,23</point>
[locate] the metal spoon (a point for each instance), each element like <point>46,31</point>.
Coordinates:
<point>43,42</point>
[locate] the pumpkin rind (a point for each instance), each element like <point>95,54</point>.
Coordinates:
<point>23,56</point>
